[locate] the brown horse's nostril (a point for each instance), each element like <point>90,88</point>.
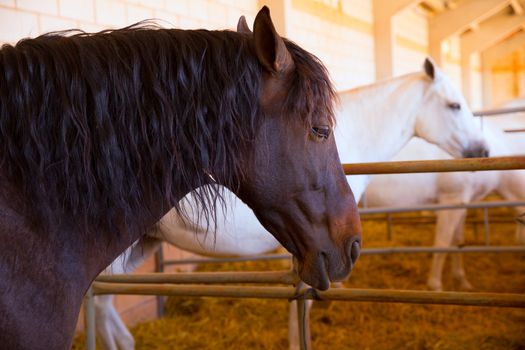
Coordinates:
<point>355,250</point>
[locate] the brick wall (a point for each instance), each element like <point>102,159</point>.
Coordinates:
<point>411,41</point>
<point>28,18</point>
<point>340,37</point>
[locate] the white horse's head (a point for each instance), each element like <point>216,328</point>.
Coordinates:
<point>446,119</point>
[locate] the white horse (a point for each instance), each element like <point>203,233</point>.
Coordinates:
<point>373,124</point>
<point>456,188</point>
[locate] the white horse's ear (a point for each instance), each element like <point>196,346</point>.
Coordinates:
<point>430,68</point>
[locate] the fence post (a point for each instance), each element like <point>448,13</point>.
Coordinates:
<point>303,316</point>
<point>486,223</point>
<point>89,319</point>
<point>159,267</point>
<point>389,227</point>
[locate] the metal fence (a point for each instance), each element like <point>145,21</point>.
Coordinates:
<point>189,284</point>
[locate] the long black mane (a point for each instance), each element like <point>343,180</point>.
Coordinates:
<point>97,126</point>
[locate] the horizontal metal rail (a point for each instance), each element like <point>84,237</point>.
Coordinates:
<point>342,294</point>
<point>365,251</point>
<point>469,249</point>
<point>280,277</point>
<point>435,207</point>
<point>498,111</point>
<point>265,257</point>
<point>431,166</point>
<point>378,210</point>
<point>427,219</point>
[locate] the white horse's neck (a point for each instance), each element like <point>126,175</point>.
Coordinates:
<point>512,183</point>
<point>375,122</point>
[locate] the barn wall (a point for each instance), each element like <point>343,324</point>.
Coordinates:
<point>341,36</point>
<point>340,33</point>
<point>411,41</point>
<point>508,77</point>
<point>28,18</point>
<point>477,83</point>
<point>452,66</point>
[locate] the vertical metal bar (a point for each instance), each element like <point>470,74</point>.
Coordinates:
<point>364,201</point>
<point>389,226</point>
<point>486,223</point>
<point>159,267</point>
<point>481,122</point>
<point>303,315</point>
<point>475,224</point>
<point>89,319</point>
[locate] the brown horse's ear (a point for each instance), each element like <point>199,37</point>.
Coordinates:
<point>269,46</point>
<point>242,26</point>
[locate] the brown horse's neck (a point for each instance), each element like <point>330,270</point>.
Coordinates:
<point>44,274</point>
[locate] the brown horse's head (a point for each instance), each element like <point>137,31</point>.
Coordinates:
<point>294,181</point>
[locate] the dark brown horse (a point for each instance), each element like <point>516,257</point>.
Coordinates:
<point>101,134</point>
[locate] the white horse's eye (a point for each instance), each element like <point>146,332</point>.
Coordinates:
<point>454,106</point>
<point>322,131</point>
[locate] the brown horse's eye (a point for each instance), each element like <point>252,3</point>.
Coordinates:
<point>322,131</point>
<point>454,106</point>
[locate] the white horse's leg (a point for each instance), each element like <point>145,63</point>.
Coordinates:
<point>447,222</point>
<point>112,333</point>
<point>458,271</point>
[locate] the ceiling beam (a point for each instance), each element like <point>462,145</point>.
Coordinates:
<point>502,48</point>
<point>459,19</point>
<point>435,5</point>
<point>490,32</point>
<point>516,6</point>
<point>383,11</point>
<point>394,6</point>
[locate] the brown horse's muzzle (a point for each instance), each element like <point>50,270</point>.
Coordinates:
<point>330,253</point>
<point>320,268</point>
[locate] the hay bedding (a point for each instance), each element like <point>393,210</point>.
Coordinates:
<point>207,323</point>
